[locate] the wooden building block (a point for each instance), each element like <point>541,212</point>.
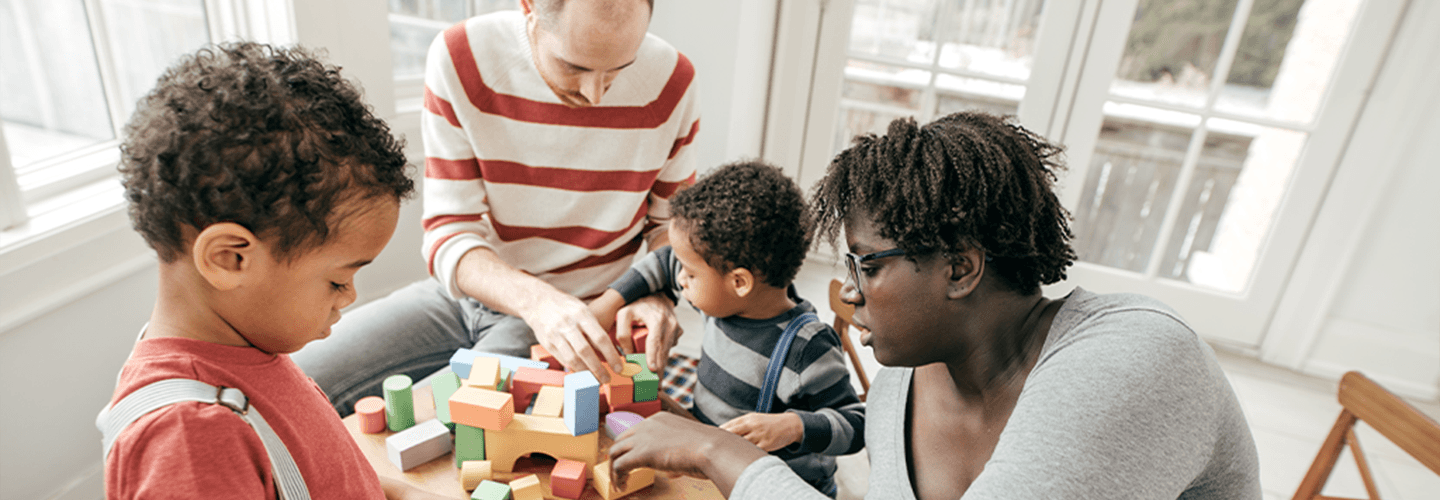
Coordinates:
<point>643,408</point>
<point>531,434</point>
<point>491,490</point>
<point>639,478</point>
<point>443,386</point>
<point>473,472</point>
<point>419,444</point>
<point>647,386</point>
<point>399,403</point>
<point>567,479</point>
<point>483,408</point>
<point>538,353</point>
<point>620,390</point>
<point>639,335</point>
<point>549,402</point>
<point>582,403</point>
<point>484,373</point>
<point>616,423</point>
<point>371,411</point>
<point>469,444</point>
<point>527,488</point>
<point>639,359</point>
<point>527,381</point>
<point>464,359</point>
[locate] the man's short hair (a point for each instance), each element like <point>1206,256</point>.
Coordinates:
<point>548,10</point>
<point>747,215</point>
<point>268,138</point>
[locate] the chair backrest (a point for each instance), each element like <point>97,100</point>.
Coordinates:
<point>1362,399</point>
<point>844,314</point>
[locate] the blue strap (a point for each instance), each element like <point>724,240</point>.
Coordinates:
<point>777,360</point>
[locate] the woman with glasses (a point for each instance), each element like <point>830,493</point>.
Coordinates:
<point>991,389</point>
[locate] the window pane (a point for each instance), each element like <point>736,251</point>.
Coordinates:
<point>1286,58</point>
<point>895,29</point>
<point>51,97</point>
<point>415,23</point>
<point>856,121</point>
<point>147,36</point>
<point>960,94</point>
<point>995,37</point>
<point>1172,50</point>
<point>873,95</point>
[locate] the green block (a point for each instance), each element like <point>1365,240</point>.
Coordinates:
<point>399,403</point>
<point>469,444</point>
<point>639,359</point>
<point>444,386</point>
<point>491,490</point>
<point>647,386</point>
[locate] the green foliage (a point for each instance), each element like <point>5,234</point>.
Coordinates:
<point>1168,35</point>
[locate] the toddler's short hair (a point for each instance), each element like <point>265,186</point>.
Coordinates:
<point>747,215</point>
<point>265,137</point>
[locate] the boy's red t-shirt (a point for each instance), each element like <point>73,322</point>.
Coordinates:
<point>199,450</point>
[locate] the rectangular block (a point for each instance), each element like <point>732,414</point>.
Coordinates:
<point>549,402</point>
<point>442,387</point>
<point>567,479</point>
<point>469,444</point>
<point>527,488</point>
<point>619,391</point>
<point>491,490</point>
<point>582,403</point>
<point>483,408</point>
<point>464,359</point>
<point>643,408</point>
<point>527,381</point>
<point>484,373</point>
<point>640,335</point>
<point>422,443</point>
<point>538,353</point>
<point>647,386</point>
<point>639,478</point>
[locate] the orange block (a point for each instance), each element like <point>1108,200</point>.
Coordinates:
<point>483,408</point>
<point>527,382</point>
<point>620,391</point>
<point>539,353</point>
<point>639,478</point>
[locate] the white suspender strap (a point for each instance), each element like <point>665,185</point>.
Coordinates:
<point>114,419</point>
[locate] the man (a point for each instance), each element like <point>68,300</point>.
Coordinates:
<point>554,138</point>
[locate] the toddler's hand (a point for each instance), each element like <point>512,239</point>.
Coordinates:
<point>769,431</point>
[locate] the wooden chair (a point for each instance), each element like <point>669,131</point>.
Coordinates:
<point>1363,399</point>
<point>844,315</point>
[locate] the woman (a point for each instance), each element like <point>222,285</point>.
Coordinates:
<point>995,390</point>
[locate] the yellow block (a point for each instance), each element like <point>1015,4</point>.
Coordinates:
<point>526,488</point>
<point>639,478</point>
<point>528,434</point>
<point>485,373</point>
<point>473,472</point>
<point>550,402</point>
<point>631,369</point>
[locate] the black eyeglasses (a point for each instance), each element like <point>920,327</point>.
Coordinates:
<point>853,261</point>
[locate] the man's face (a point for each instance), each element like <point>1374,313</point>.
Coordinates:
<point>580,49</point>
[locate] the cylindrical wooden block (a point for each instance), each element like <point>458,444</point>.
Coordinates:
<point>474,471</point>
<point>372,414</point>
<point>399,403</point>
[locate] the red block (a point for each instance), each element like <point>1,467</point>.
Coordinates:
<point>567,479</point>
<point>539,353</point>
<point>644,408</point>
<point>527,382</point>
<point>639,335</point>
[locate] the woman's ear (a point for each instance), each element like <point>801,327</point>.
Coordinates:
<point>223,253</point>
<point>966,269</point>
<point>742,280</point>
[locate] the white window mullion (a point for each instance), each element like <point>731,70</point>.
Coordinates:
<point>12,210</point>
<point>104,58</point>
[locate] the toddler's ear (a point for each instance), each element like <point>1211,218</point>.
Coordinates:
<point>223,252</point>
<point>741,280</point>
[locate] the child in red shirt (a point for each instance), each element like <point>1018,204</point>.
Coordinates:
<point>263,183</point>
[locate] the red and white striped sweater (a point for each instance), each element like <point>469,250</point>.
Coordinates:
<point>562,193</point>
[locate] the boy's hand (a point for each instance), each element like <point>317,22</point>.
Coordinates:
<point>769,431</point>
<point>657,313</point>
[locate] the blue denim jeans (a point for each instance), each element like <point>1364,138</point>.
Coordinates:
<point>412,331</point>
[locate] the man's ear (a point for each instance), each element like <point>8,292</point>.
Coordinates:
<point>742,280</point>
<point>223,253</point>
<point>966,269</point>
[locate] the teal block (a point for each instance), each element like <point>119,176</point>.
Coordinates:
<point>647,386</point>
<point>444,386</point>
<point>491,490</point>
<point>469,444</point>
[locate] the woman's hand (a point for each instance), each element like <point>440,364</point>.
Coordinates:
<point>769,431</point>
<point>672,443</point>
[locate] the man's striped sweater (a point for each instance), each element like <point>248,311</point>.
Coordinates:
<point>565,194</point>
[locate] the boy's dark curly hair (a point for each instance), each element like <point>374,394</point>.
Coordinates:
<point>748,215</point>
<point>966,180</point>
<point>269,138</point>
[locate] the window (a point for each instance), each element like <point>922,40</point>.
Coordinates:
<point>415,23</point>
<point>64,100</point>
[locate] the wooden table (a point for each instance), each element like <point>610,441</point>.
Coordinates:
<point>440,476</point>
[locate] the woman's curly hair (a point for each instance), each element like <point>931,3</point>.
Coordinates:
<point>964,181</point>
<point>749,215</point>
<point>268,138</point>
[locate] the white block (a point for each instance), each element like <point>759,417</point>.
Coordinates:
<point>419,444</point>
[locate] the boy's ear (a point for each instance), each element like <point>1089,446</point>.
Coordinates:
<point>965,272</point>
<point>223,253</point>
<point>742,280</point>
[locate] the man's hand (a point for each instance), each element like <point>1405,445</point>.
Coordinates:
<point>566,328</point>
<point>769,431</point>
<point>657,314</point>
